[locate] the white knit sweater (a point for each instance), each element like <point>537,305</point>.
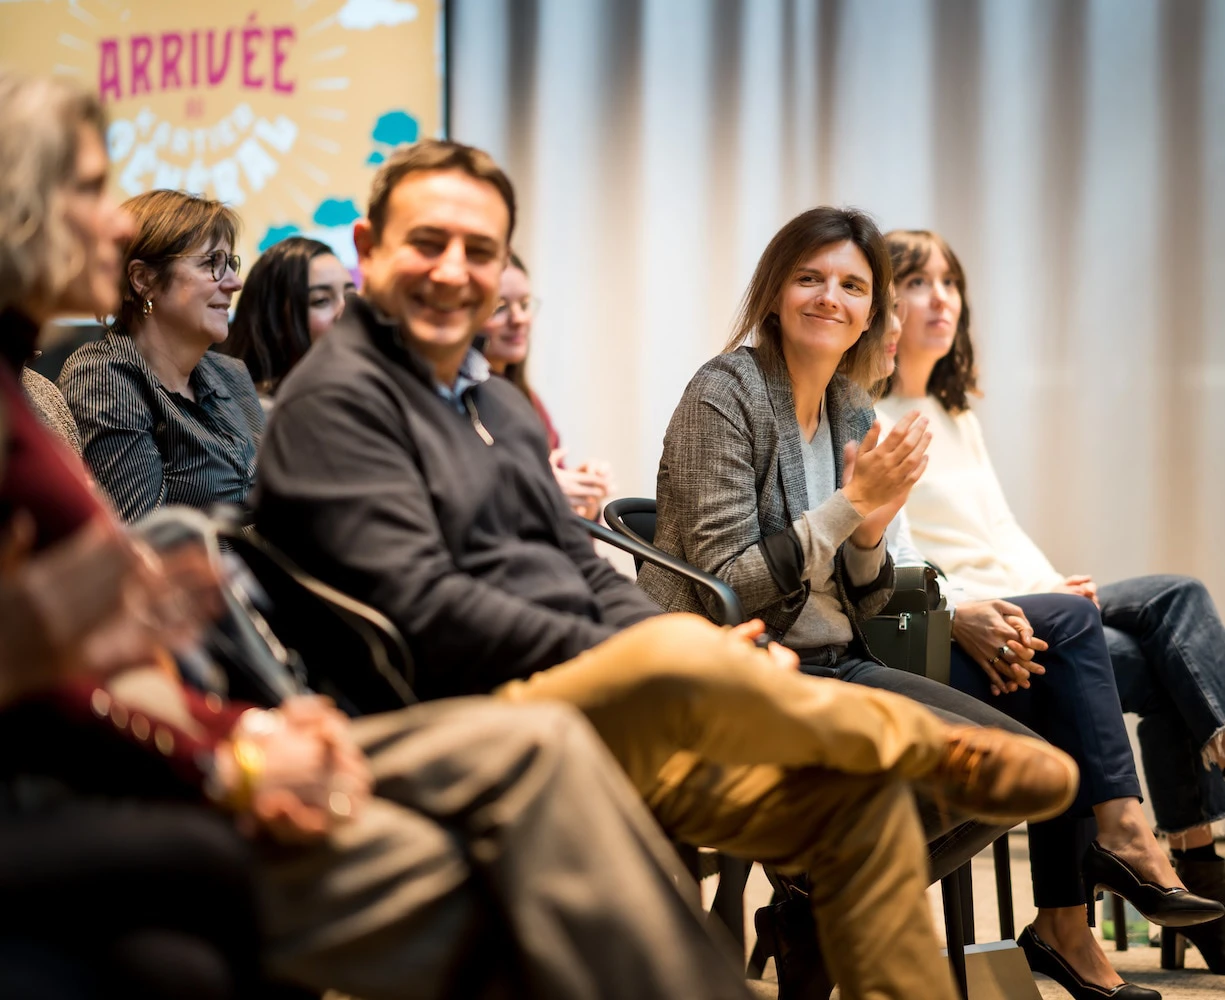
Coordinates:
<point>959,518</point>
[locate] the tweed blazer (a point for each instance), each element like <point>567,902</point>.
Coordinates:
<point>732,475</point>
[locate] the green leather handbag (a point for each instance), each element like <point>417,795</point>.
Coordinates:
<point>913,631</point>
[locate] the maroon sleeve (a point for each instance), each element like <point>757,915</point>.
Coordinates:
<point>549,430</point>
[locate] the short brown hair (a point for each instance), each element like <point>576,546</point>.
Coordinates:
<point>435,154</point>
<point>169,223</point>
<point>40,119</point>
<point>955,377</point>
<point>795,243</point>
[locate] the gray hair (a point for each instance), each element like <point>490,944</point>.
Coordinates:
<point>40,119</point>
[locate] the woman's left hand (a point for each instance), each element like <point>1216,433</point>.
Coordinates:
<point>1000,639</point>
<point>585,486</point>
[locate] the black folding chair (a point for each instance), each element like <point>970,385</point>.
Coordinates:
<point>634,518</point>
<point>336,645</point>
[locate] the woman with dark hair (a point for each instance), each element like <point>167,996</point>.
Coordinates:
<point>1163,633</point>
<point>775,478</point>
<point>291,298</point>
<point>508,335</point>
<point>163,419</point>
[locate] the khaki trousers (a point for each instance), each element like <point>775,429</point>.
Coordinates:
<point>802,773</point>
<point>504,855</point>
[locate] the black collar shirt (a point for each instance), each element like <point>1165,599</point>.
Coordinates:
<point>148,446</point>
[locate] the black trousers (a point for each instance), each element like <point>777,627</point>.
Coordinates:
<point>107,899</point>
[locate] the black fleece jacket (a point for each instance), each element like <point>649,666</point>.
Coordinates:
<point>374,483</point>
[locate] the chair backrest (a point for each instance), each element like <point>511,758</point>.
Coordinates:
<point>632,520</point>
<point>348,650</point>
<point>633,517</point>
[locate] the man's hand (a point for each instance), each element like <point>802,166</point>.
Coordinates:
<point>983,628</point>
<point>313,776</point>
<point>780,655</point>
<point>55,604</point>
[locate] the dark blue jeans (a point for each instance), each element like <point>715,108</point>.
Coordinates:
<point>1075,706</point>
<point>1168,648</point>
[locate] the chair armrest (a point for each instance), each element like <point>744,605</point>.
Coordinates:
<point>731,611</point>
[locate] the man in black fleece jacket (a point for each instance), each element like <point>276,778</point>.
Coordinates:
<point>397,470</point>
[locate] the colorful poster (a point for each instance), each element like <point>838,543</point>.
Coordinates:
<point>281,111</point>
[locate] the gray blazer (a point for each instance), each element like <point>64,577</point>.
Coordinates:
<point>732,476</point>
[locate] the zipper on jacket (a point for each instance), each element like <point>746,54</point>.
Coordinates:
<point>481,430</point>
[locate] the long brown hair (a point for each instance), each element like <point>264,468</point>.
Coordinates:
<point>795,243</point>
<point>955,378</point>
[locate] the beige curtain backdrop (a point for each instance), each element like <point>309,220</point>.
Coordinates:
<point>1073,152</point>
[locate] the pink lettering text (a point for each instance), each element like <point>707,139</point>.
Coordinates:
<point>250,39</point>
<point>108,70</point>
<point>279,55</point>
<point>172,52</point>
<point>177,60</point>
<point>142,52</point>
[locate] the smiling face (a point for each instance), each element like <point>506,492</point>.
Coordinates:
<point>437,265</point>
<point>328,282</point>
<point>826,304</point>
<point>193,305</point>
<point>99,227</point>
<point>933,310</point>
<point>509,329</point>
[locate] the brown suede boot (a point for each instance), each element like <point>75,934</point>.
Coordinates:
<point>1000,777</point>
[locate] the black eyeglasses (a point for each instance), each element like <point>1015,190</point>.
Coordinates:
<point>218,261</point>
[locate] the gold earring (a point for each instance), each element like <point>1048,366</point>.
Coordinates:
<point>148,307</point>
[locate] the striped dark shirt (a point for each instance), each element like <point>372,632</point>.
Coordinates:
<point>148,446</point>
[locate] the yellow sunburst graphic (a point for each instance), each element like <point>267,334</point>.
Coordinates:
<point>280,110</point>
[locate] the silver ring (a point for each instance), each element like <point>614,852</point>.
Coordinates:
<point>1003,652</point>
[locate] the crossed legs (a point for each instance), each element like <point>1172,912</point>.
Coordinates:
<point>804,774</point>
<point>504,855</point>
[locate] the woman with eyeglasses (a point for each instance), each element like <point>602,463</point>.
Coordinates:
<point>508,334</point>
<point>163,419</point>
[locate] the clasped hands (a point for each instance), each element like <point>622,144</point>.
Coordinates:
<point>1000,639</point>
<point>310,775</point>
<point>877,475</point>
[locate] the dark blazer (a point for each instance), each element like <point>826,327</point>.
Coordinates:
<point>731,484</point>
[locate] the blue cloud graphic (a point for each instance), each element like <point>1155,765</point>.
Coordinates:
<point>277,233</point>
<point>375,158</point>
<point>395,128</point>
<point>336,212</point>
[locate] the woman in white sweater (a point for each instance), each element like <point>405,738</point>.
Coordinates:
<point>1165,638</point>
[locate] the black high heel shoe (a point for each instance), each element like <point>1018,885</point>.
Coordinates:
<point>1160,904</point>
<point>1045,959</point>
